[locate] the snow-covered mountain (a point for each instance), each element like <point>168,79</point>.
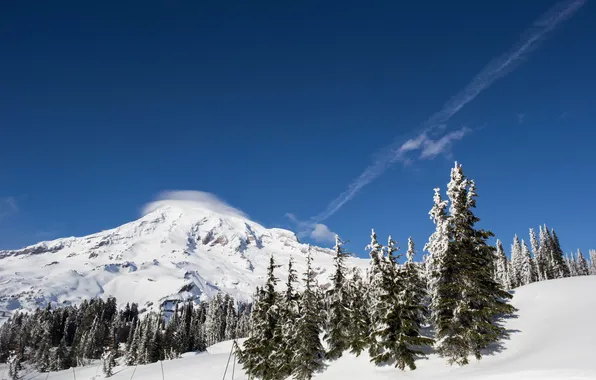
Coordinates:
<point>178,249</point>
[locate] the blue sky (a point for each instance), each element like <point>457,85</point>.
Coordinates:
<point>277,108</point>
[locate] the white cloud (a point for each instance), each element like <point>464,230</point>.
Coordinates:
<point>322,233</point>
<point>190,198</point>
<point>8,206</point>
<point>495,69</point>
<point>433,148</point>
<point>316,231</point>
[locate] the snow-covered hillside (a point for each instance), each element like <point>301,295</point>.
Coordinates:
<point>179,248</point>
<point>551,339</point>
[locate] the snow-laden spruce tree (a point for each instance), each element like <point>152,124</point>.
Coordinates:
<point>308,351</point>
<point>359,314</point>
<point>546,253</point>
<point>231,319</point>
<point>582,264</point>
<point>517,263</point>
<point>374,273</point>
<point>436,247</point>
<point>468,299</point>
<point>558,256</point>
<point>60,357</point>
<point>538,257</point>
<point>592,253</point>
<point>571,262</point>
<point>502,268</point>
<point>397,336</point>
<point>337,299</point>
<point>133,348</point>
<point>260,345</point>
<point>288,314</point>
<point>15,366</point>
<point>528,273</point>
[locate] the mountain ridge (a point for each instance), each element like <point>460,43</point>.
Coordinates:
<point>179,249</point>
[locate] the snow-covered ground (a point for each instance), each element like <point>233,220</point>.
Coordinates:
<point>552,338</point>
<point>177,249</point>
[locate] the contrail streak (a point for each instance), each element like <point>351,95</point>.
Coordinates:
<point>495,69</point>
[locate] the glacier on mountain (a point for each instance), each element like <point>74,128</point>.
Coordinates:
<point>179,249</point>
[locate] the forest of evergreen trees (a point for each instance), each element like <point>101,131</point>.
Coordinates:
<point>54,339</point>
<point>397,310</point>
<point>544,260</point>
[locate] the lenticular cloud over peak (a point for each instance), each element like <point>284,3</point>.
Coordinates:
<point>193,200</point>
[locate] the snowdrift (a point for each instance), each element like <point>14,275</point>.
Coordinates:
<point>551,338</point>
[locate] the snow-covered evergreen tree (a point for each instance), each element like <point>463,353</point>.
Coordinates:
<point>285,332</point>
<point>539,260</point>
<point>571,262</point>
<point>337,299</point>
<point>214,323</point>
<point>546,254</point>
<point>398,337</point>
<point>436,247</point>
<point>108,362</point>
<point>260,345</point>
<point>592,253</point>
<point>582,264</point>
<point>14,366</point>
<point>517,263</point>
<point>469,300</point>
<point>133,349</point>
<point>528,273</point>
<point>231,320</point>
<point>60,358</point>
<point>359,315</point>
<point>308,352</point>
<point>42,356</point>
<point>558,257</point>
<point>502,267</point>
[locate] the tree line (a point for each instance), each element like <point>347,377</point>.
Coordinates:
<point>543,260</point>
<point>53,339</point>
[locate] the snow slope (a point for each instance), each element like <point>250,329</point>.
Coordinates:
<point>552,338</point>
<point>178,249</point>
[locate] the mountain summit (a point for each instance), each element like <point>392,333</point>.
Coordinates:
<point>179,249</point>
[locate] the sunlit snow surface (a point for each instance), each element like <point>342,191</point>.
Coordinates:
<point>551,339</point>
<point>178,249</point>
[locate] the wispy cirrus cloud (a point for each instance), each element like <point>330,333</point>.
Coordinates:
<point>8,206</point>
<point>428,147</point>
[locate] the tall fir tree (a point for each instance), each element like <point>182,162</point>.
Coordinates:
<point>546,253</point>
<point>582,264</point>
<point>285,333</point>
<point>398,336</point>
<point>359,314</point>
<point>502,267</point>
<point>337,298</point>
<point>538,256</point>
<point>528,272</point>
<point>517,263</point>
<point>558,257</point>
<point>373,285</point>
<point>469,299</point>
<point>15,366</point>
<point>592,254</point>
<point>308,352</point>
<point>436,247</point>
<point>260,345</point>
